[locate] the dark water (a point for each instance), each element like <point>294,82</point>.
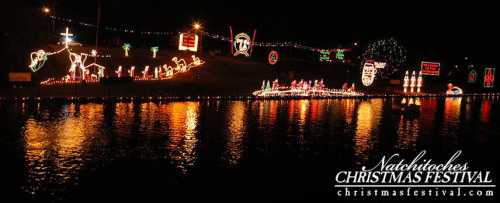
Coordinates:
<point>225,150</point>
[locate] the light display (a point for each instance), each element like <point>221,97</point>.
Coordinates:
<point>126,47</point>
<point>472,78</point>
<point>413,81</point>
<point>368,74</point>
<point>453,90</point>
<point>188,41</point>
<point>379,65</point>
<point>78,70</point>
<point>131,72</point>
<point>92,26</point>
<point>165,71</point>
<point>419,82</point>
<point>430,68</point>
<point>119,71</point>
<point>301,89</point>
<point>389,51</point>
<point>145,73</point>
<point>324,56</point>
<point>489,78</point>
<point>242,44</point>
<point>155,50</point>
<point>273,57</point>
<point>406,82</point>
<point>339,55</point>
<point>38,59</point>
<point>67,37</point>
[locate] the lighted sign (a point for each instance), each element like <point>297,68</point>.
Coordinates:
<point>489,77</point>
<point>379,65</point>
<point>188,42</point>
<point>472,76</point>
<point>368,74</point>
<point>273,57</point>
<point>430,68</point>
<point>324,56</point>
<point>339,55</point>
<point>242,44</point>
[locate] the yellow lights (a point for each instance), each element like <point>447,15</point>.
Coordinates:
<point>196,26</point>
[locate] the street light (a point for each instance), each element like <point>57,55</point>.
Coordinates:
<point>46,10</point>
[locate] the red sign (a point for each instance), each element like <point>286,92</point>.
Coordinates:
<point>489,77</point>
<point>430,68</point>
<point>188,41</point>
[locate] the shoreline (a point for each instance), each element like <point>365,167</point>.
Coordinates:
<point>232,98</point>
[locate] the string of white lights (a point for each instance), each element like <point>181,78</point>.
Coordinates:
<point>205,33</point>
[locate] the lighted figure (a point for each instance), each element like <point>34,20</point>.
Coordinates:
<point>293,85</point>
<point>242,44</point>
<point>412,82</point>
<point>100,73</point>
<point>453,90</point>
<point>126,47</point>
<point>156,73</point>
<point>38,59</point>
<point>180,64</point>
<point>268,86</point>
<point>276,84</point>
<point>368,74</point>
<point>67,37</point>
<point>93,53</point>
<point>119,72</point>
<point>77,63</point>
<point>155,50</point>
<point>196,61</point>
<point>131,71</point>
<point>263,85</point>
<point>419,82</point>
<point>145,73</point>
<point>169,72</point>
<point>406,81</point>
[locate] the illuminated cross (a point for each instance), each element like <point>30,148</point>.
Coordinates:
<point>66,37</point>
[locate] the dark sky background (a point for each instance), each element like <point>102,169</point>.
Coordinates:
<point>442,31</point>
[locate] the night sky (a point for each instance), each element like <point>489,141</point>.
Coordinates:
<point>442,32</point>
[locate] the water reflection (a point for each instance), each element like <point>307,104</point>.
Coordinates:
<point>236,130</point>
<point>55,148</point>
<point>451,117</point>
<point>408,132</point>
<point>368,117</point>
<point>61,141</point>
<point>183,122</point>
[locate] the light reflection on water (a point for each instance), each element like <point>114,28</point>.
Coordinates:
<point>368,118</point>
<point>62,141</point>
